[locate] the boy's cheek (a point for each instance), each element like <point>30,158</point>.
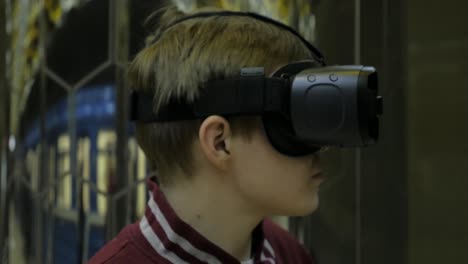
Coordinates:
<point>279,194</point>
<point>272,182</point>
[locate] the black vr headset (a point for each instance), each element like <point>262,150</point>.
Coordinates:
<point>304,105</point>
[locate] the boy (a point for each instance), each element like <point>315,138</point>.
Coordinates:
<point>219,177</point>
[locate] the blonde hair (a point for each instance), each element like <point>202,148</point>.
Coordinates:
<point>177,61</point>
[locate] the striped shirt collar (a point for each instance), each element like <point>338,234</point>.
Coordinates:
<point>178,242</point>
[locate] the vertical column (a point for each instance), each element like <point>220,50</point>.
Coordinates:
<point>357,154</point>
<point>43,150</point>
<point>384,202</point>
<point>77,190</point>
<point>4,135</point>
<point>118,54</point>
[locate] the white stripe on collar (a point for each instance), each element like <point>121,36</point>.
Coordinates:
<point>268,246</point>
<point>157,244</point>
<point>203,256</point>
<point>269,249</point>
<point>177,239</point>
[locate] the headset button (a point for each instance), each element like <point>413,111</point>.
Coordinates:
<point>311,78</point>
<point>333,77</point>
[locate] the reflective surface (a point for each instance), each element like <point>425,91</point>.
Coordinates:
<point>402,201</point>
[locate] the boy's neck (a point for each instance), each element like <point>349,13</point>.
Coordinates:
<point>217,212</point>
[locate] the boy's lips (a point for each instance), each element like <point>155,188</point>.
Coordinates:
<point>318,176</point>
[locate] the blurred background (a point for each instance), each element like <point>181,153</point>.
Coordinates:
<point>71,174</point>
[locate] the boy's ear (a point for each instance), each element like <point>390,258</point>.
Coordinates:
<point>215,140</point>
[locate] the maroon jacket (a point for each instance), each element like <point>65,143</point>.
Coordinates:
<point>161,237</point>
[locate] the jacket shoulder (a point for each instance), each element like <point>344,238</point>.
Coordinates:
<point>122,249</point>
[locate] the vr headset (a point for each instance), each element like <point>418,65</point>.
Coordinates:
<point>304,105</point>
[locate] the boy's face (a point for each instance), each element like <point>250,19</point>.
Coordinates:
<point>279,184</point>
<point>273,182</point>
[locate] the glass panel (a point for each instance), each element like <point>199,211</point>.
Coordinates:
<point>89,39</point>
<point>398,202</point>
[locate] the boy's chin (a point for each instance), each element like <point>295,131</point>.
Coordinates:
<point>301,208</point>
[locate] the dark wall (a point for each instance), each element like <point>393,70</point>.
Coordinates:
<point>384,188</point>
<point>438,131</point>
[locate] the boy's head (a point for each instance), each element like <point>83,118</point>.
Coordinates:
<point>235,150</point>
